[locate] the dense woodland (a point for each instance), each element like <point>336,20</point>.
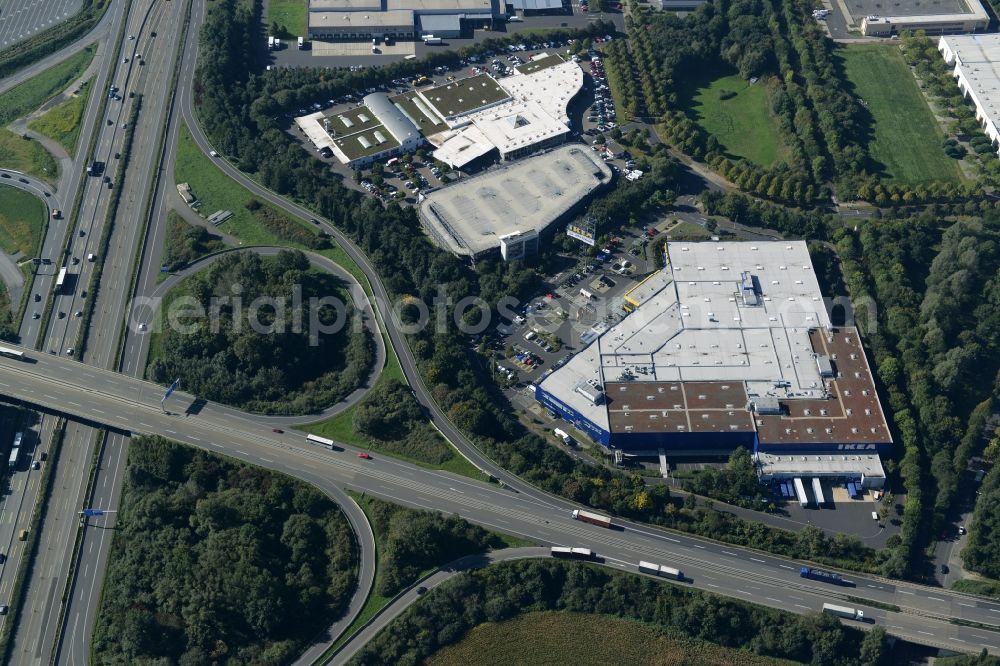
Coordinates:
<point>289,369</point>
<point>214,561</point>
<point>502,591</point>
<point>412,542</point>
<point>395,422</point>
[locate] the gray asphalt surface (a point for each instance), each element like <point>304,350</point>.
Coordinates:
<point>89,393</point>
<point>20,19</point>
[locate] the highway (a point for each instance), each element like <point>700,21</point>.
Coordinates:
<point>129,404</point>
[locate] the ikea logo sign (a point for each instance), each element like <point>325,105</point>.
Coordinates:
<point>855,447</point>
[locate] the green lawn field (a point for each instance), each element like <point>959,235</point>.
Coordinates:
<point>22,218</point>
<point>289,15</point>
<point>742,123</point>
<point>554,637</point>
<point>28,96</point>
<point>27,156</point>
<point>907,138</point>
<point>216,191</point>
<point>62,123</point>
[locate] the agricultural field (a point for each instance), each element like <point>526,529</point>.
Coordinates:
<point>26,97</point>
<point>27,156</point>
<point>738,115</point>
<point>290,17</point>
<point>907,138</point>
<point>585,640</point>
<point>62,123</point>
<point>22,219</point>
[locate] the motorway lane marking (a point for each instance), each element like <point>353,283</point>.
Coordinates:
<point>456,491</point>
<point>935,598</point>
<point>801,606</point>
<point>993,610</point>
<point>672,539</point>
<point>710,585</point>
<point>698,545</point>
<point>242,453</point>
<point>745,592</point>
<point>192,437</point>
<point>925,633</point>
<point>726,552</point>
<point>170,432</point>
<point>785,566</point>
<point>267,460</point>
<point>757,560</point>
<point>773,599</point>
<point>96,410</point>
<point>75,404</point>
<point>874,587</point>
<point>905,592</point>
<point>966,605</point>
<point>50,397</point>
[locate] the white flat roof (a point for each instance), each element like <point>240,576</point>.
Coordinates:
<point>418,6</point>
<point>552,88</point>
<point>825,464</point>
<point>469,217</point>
<point>696,327</point>
<point>357,19</point>
<point>979,61</point>
<point>312,126</point>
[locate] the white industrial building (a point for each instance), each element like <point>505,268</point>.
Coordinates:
<point>533,116</point>
<point>974,20</point>
<point>505,208</point>
<point>976,62</point>
<point>729,345</point>
<point>346,20</point>
<point>375,130</point>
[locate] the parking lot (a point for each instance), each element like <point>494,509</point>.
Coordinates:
<point>560,320</point>
<point>20,19</point>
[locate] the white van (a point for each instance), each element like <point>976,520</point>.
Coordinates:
<point>875,516</point>
<point>586,294</point>
<point>518,319</point>
<point>530,335</point>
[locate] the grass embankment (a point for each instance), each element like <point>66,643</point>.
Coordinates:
<point>554,637</point>
<point>22,219</point>
<point>290,16</point>
<point>907,138</point>
<point>253,222</point>
<point>62,123</point>
<point>27,156</point>
<point>986,587</point>
<point>24,98</point>
<point>738,115</point>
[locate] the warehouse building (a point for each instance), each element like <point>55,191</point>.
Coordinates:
<point>729,345</point>
<point>941,17</point>
<point>364,20</point>
<point>976,62</point>
<point>375,130</point>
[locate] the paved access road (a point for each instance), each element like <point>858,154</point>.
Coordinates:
<point>20,19</point>
<point>132,405</point>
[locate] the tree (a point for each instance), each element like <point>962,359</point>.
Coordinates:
<point>874,649</point>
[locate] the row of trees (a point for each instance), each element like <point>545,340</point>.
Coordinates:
<point>503,591</point>
<point>214,561</point>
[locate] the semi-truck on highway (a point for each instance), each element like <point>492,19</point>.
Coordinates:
<point>592,518</point>
<point>578,553</point>
<point>824,576</point>
<point>844,612</point>
<point>660,570</point>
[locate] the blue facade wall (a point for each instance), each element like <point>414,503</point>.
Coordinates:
<point>579,421</point>
<point>825,447</point>
<point>683,441</point>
